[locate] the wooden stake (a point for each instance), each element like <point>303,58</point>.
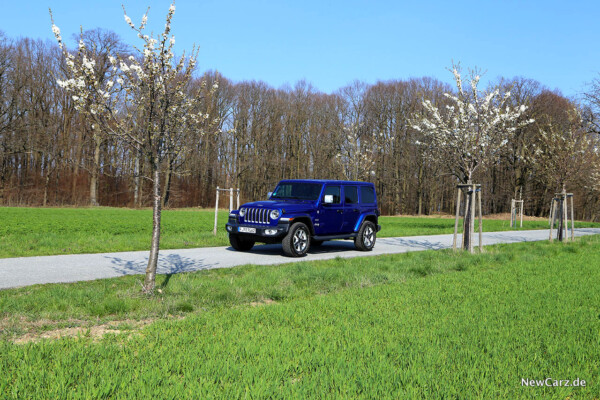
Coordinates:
<point>458,198</point>
<point>465,228</point>
<point>512,212</point>
<point>552,215</point>
<point>472,222</point>
<point>216,212</point>
<point>521,213</point>
<point>565,218</point>
<point>480,225</point>
<point>572,221</point>
<point>238,199</point>
<point>551,211</point>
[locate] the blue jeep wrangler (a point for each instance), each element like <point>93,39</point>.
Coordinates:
<point>304,213</point>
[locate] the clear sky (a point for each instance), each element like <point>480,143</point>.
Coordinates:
<point>332,43</point>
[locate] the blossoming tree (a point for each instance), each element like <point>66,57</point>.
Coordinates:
<point>469,131</point>
<point>145,102</point>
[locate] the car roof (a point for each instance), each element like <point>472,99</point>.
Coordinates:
<point>327,181</point>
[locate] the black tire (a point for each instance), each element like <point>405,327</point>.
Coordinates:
<point>297,241</point>
<point>240,244</point>
<point>367,235</point>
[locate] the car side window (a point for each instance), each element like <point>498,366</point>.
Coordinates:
<point>335,192</point>
<point>350,194</point>
<point>367,195</point>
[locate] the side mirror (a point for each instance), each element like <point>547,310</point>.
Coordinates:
<point>269,195</point>
<point>328,199</point>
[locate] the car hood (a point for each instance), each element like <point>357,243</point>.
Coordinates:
<point>287,205</point>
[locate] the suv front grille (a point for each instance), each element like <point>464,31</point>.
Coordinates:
<point>257,216</point>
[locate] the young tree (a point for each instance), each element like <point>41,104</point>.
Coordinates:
<point>145,103</point>
<point>469,131</point>
<point>563,150</point>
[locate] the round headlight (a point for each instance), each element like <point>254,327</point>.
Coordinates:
<point>242,212</point>
<point>274,214</point>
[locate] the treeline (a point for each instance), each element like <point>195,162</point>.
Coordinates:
<point>50,155</point>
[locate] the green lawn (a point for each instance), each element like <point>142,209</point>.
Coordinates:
<point>45,231</point>
<point>416,325</point>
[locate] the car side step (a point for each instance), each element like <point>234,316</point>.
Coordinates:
<point>331,237</point>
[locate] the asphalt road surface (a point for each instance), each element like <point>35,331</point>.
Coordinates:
<point>15,272</point>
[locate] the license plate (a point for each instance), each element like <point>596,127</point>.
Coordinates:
<point>246,230</point>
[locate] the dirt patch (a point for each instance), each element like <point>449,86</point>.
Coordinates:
<point>95,332</point>
<point>499,216</point>
<point>434,215</point>
<point>265,302</point>
<point>506,216</point>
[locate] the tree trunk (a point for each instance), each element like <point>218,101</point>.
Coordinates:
<point>136,180</point>
<point>167,191</point>
<point>46,185</point>
<point>467,220</point>
<point>420,188</point>
<point>77,159</point>
<point>150,280</point>
<point>95,171</point>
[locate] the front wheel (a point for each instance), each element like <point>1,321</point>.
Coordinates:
<point>239,243</point>
<point>297,241</point>
<point>365,240</point>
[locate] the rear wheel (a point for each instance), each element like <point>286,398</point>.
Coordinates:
<point>365,240</point>
<point>297,241</point>
<point>239,243</point>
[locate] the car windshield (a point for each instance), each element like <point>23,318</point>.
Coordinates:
<point>297,190</point>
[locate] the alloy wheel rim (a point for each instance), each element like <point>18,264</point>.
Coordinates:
<point>300,240</point>
<point>368,237</point>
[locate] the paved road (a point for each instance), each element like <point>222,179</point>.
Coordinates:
<point>26,271</point>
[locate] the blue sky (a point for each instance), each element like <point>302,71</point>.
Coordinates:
<point>332,43</point>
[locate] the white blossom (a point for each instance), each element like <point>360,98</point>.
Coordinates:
<point>470,131</point>
<point>129,22</point>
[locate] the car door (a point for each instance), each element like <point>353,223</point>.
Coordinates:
<point>351,208</point>
<point>331,216</point>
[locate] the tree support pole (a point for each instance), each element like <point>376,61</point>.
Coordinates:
<point>521,213</point>
<point>458,198</point>
<point>552,217</point>
<point>480,224</point>
<point>216,212</point>
<point>572,221</point>
<point>565,218</point>
<point>472,222</point>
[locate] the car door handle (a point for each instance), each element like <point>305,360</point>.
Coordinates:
<point>355,210</point>
<point>340,211</point>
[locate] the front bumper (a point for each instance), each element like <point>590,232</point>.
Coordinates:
<point>261,232</point>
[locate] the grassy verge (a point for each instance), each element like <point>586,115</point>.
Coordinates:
<point>46,231</point>
<point>416,325</point>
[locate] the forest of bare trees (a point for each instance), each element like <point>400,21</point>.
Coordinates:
<point>51,155</point>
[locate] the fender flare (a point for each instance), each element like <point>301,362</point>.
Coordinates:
<point>362,218</point>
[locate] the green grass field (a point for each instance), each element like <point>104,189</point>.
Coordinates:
<point>47,231</point>
<point>416,325</point>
